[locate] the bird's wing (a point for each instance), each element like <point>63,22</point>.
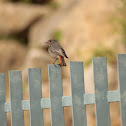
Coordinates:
<point>57,51</point>
<point>63,51</point>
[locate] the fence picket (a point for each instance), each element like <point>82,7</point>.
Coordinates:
<point>56,93</point>
<point>122,86</point>
<point>16,95</point>
<point>2,101</point>
<point>101,88</point>
<point>35,93</point>
<point>56,102</point>
<point>77,87</point>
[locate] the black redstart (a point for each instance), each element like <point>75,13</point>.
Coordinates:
<point>56,51</point>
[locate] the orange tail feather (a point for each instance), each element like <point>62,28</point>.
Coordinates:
<point>62,61</point>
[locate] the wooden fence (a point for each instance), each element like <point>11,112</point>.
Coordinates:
<point>56,103</point>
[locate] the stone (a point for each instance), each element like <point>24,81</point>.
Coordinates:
<point>11,55</point>
<point>36,58</point>
<point>43,30</point>
<point>16,17</point>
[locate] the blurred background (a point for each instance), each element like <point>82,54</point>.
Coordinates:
<point>85,29</point>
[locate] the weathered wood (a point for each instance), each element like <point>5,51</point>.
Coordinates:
<point>101,88</point>
<point>35,93</point>
<point>122,86</point>
<point>56,93</point>
<point>77,88</point>
<point>16,95</point>
<point>2,101</point>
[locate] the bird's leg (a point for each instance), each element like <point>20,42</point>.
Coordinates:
<point>55,61</point>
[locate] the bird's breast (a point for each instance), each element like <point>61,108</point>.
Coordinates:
<point>51,52</point>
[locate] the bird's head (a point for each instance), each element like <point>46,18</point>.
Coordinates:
<point>50,42</point>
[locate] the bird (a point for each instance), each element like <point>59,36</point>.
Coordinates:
<point>57,51</point>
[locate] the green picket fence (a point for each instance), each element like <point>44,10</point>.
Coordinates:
<point>56,103</point>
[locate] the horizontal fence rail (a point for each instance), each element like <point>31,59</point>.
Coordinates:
<point>78,99</point>
<point>112,96</point>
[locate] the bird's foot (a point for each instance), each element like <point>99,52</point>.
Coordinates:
<point>59,64</point>
<point>55,65</point>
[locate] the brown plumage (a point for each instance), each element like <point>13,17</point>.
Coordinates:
<point>57,52</point>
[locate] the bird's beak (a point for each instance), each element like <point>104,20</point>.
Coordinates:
<point>46,42</point>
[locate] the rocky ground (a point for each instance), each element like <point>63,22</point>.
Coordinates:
<point>82,28</point>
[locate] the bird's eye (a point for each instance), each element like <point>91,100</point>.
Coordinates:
<point>49,40</point>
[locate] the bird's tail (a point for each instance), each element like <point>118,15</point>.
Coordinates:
<point>62,61</point>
